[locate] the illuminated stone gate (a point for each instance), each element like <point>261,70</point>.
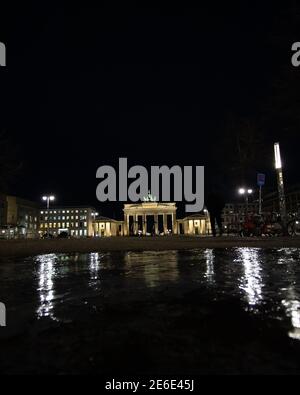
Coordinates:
<point>150,217</point>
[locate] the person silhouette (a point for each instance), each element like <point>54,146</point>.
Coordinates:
<point>215,204</point>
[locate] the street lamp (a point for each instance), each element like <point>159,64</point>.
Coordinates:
<point>246,192</point>
<point>94,215</point>
<point>280,184</point>
<point>48,199</point>
<point>278,164</point>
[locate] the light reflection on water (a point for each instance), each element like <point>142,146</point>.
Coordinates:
<point>291,302</point>
<point>251,280</point>
<point>150,266</point>
<point>210,270</point>
<point>46,272</point>
<point>94,267</point>
<point>292,307</point>
<point>266,281</point>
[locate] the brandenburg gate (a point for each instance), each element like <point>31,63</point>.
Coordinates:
<point>150,217</point>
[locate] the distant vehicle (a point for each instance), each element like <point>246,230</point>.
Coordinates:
<point>293,226</point>
<point>258,225</point>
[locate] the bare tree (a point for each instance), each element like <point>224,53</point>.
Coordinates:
<point>9,163</point>
<point>242,150</point>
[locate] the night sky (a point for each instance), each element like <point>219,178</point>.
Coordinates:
<point>84,86</point>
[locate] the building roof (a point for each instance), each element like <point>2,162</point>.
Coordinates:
<point>150,206</point>
<point>105,219</point>
<point>201,215</point>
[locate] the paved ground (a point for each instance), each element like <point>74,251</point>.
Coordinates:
<point>34,247</point>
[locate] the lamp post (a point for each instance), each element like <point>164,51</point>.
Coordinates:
<point>246,192</point>
<point>48,199</point>
<point>94,215</point>
<point>280,185</point>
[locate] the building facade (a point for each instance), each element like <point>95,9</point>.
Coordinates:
<point>71,221</point>
<point>196,224</point>
<point>107,227</point>
<point>234,214</point>
<point>18,217</point>
<point>150,218</point>
<point>22,218</point>
<point>292,197</point>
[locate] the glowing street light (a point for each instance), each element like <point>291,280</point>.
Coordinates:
<point>48,199</point>
<point>94,215</point>
<point>246,192</point>
<point>243,191</point>
<point>278,164</point>
<point>280,184</point>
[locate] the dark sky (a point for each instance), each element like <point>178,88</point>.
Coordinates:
<point>84,86</point>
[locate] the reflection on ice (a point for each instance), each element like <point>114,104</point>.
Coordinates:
<point>46,273</point>
<point>251,281</point>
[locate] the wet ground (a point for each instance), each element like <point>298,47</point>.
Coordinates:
<point>234,310</point>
